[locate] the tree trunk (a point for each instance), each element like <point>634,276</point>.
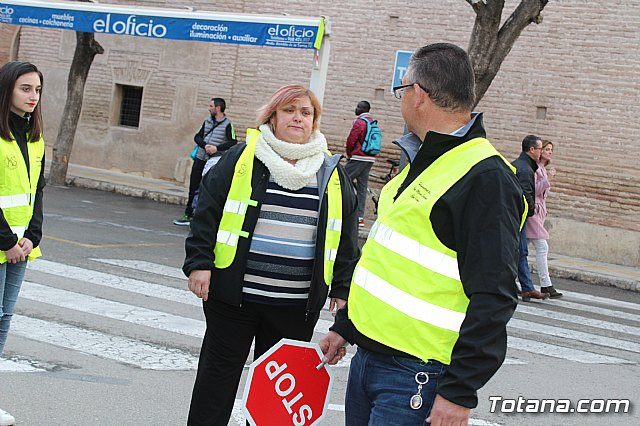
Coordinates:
<point>490,44</point>
<point>86,49</point>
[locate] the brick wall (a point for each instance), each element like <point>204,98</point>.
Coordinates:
<point>581,64</point>
<point>7,47</point>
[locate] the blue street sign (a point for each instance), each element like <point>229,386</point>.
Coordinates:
<point>154,23</point>
<point>400,66</point>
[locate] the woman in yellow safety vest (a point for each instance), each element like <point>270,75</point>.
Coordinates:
<point>274,234</point>
<point>21,183</point>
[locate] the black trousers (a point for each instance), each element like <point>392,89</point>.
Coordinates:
<point>226,346</point>
<point>194,183</point>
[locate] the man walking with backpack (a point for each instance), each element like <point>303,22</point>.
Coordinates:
<point>363,144</point>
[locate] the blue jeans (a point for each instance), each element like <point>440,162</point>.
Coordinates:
<point>524,275</point>
<point>11,276</point>
<point>380,388</point>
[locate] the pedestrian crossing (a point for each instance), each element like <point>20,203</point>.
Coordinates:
<point>580,328</point>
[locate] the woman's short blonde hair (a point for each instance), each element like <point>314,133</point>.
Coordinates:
<point>285,96</point>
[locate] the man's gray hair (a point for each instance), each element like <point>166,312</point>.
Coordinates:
<point>444,70</point>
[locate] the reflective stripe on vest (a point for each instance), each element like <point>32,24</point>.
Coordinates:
<point>239,199</point>
<point>18,187</point>
<point>334,225</point>
<point>406,292</point>
<point>236,205</point>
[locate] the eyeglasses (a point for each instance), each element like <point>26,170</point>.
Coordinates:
<point>398,91</point>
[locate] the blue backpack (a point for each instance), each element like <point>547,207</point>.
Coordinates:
<point>373,139</point>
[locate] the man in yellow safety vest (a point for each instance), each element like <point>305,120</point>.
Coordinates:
<point>435,286</point>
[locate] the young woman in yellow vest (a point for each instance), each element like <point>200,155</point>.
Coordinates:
<point>274,234</point>
<point>21,183</point>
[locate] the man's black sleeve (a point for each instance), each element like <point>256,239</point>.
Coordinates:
<point>199,137</point>
<point>343,325</point>
<point>526,179</point>
<point>486,226</point>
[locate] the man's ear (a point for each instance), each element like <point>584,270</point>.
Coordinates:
<point>421,97</point>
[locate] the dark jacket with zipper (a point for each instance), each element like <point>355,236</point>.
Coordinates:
<point>526,172</point>
<point>479,218</point>
<point>226,284</point>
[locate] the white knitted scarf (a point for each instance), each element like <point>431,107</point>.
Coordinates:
<point>273,152</point>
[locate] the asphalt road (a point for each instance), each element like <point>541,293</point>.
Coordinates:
<point>106,332</point>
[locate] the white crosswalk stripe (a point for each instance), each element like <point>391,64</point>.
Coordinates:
<point>562,352</point>
<point>114,281</point>
<point>616,343</point>
<point>128,351</point>
<point>578,319</point>
<point>618,304</point>
<point>115,310</point>
<point>142,265</point>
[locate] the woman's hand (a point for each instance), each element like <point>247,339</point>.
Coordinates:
<point>336,304</point>
<point>551,172</point>
<point>27,246</point>
<point>15,254</point>
<point>199,281</point>
<point>211,149</point>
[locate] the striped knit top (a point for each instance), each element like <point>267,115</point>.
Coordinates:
<point>282,251</point>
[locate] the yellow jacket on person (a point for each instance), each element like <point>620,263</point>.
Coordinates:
<point>406,291</point>
<point>18,187</point>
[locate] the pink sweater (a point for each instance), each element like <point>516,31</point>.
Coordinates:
<point>535,224</point>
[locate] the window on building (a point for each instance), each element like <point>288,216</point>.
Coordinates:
<point>130,98</point>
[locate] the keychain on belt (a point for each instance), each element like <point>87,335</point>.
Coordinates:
<point>416,400</point>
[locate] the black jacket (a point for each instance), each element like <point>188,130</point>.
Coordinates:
<point>227,283</point>
<point>18,126</point>
<point>526,172</point>
<point>479,218</point>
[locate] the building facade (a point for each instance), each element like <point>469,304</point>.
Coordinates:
<point>572,79</point>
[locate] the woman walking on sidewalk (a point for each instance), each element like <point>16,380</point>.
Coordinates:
<point>21,184</point>
<point>536,232</point>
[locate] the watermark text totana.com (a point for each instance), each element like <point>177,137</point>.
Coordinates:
<point>524,405</point>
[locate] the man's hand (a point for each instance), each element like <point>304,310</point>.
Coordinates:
<point>199,281</point>
<point>211,149</point>
<point>446,413</point>
<point>336,304</point>
<point>27,246</point>
<point>333,347</point>
<point>15,254</point>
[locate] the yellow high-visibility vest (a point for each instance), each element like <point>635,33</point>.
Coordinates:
<point>406,291</point>
<point>18,187</point>
<point>239,200</point>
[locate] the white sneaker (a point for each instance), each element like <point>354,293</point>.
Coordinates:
<point>6,419</point>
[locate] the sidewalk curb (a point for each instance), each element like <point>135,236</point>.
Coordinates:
<point>88,183</point>
<point>593,278</point>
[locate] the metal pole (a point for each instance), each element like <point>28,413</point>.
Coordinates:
<point>321,63</point>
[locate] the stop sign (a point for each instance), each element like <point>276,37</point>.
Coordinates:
<point>284,387</point>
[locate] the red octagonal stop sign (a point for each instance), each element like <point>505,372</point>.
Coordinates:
<point>284,387</point>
